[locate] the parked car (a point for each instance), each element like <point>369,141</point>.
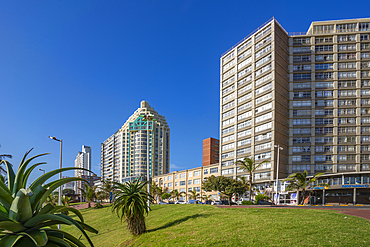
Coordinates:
<point>265,203</point>
<point>216,203</point>
<point>162,202</point>
<point>180,202</point>
<point>171,202</point>
<point>194,202</point>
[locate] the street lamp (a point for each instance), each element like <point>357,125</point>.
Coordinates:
<point>277,172</point>
<point>148,117</point>
<point>42,170</point>
<point>60,166</point>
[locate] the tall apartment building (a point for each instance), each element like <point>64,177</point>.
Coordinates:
<point>210,151</point>
<point>83,160</point>
<point>307,92</point>
<point>124,154</point>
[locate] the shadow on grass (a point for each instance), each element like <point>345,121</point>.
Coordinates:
<point>179,221</point>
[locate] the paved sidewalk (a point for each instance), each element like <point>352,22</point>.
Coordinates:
<point>85,205</point>
<point>359,211</point>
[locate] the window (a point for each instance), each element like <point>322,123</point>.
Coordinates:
<point>346,148</point>
<point>228,105</point>
<point>324,130</point>
<point>262,146</point>
<point>351,65</point>
<point>346,167</point>
<point>342,102</point>
<point>245,89</point>
<point>262,137</point>
<point>365,111</point>
<point>346,84</point>
<point>245,45</point>
<point>324,94</point>
<point>263,51</point>
<point>243,151</point>
<point>228,81</point>
<point>301,112</point>
<point>301,67</point>
<point>342,28</point>
<point>190,174</point>
<point>296,168</point>
<point>301,41</point>
<point>214,170</point>
<point>182,175</point>
<point>303,103</point>
<point>346,157</point>
<point>302,140</point>
<point>228,130</point>
<point>324,112</point>
<point>364,26</point>
<point>343,38</point>
<point>301,158</point>
<point>262,127</point>
<point>365,102</point>
<point>227,171</point>
<point>323,167</point>
<point>228,57</point>
<point>205,171</point>
<point>350,93</point>
<point>302,149</point>
<point>364,37</point>
<point>365,129</point>
<point>323,157</point>
<point>182,183</point>
<point>261,156</point>
<point>244,115</point>
<point>303,58</point>
<point>322,66</point>
<point>324,75</point>
<point>244,72</point>
<point>263,108</point>
<point>325,139</point>
<point>244,142</point>
<point>324,102</point>
<point>365,65</point>
<point>365,74</point>
<point>229,65</point>
<point>351,47</point>
<point>227,90</point>
<point>324,57</point>
<point>244,124</point>
<point>263,89</point>
<point>228,73</point>
<point>244,63</point>
<point>227,122</point>
<point>346,56</point>
<point>365,120</point>
<point>264,98</point>
<point>228,114</point>
<point>323,121</point>
<point>263,79</point>
<point>302,85</point>
<point>301,49</point>
<point>323,48</point>
<point>228,138</point>
<point>227,155</point>
<point>365,138</point>
<point>365,55</point>
<point>301,131</point>
<point>324,40</point>
<point>305,76</point>
<point>347,74</point>
<point>323,29</point>
<point>245,106</point>
<point>346,138</point>
<point>323,149</point>
<point>365,46</point>
<point>302,94</point>
<point>227,163</point>
<point>263,70</point>
<point>263,61</point>
<point>346,111</point>
<point>244,133</point>
<point>303,121</point>
<point>264,41</point>
<point>228,146</point>
<point>263,117</point>
<point>245,80</point>
<point>347,120</point>
<point>228,97</point>
<point>196,181</point>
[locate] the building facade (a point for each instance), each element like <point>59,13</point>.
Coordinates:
<point>124,154</point>
<point>83,160</point>
<point>307,92</point>
<point>188,180</point>
<point>210,151</point>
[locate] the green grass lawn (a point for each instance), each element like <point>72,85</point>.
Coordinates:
<point>179,225</point>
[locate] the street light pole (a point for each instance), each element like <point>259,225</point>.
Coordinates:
<point>277,173</point>
<point>60,174</point>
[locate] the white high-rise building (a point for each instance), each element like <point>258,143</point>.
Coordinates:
<point>124,154</point>
<point>83,160</point>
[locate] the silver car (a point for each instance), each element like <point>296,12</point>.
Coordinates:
<point>180,202</point>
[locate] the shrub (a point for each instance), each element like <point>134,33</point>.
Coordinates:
<point>261,197</point>
<point>98,205</point>
<point>247,203</point>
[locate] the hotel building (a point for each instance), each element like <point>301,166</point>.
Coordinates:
<point>307,92</point>
<point>124,154</point>
<point>210,151</point>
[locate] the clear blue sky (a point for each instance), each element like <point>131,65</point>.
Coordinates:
<point>78,69</point>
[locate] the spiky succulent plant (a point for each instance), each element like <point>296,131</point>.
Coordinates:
<point>24,220</point>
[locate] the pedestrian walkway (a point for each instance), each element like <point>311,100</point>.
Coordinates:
<point>85,205</point>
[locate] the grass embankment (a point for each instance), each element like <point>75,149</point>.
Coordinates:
<point>179,225</point>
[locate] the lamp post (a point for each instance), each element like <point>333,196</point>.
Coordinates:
<point>60,174</point>
<point>42,170</point>
<point>277,173</point>
<point>148,117</point>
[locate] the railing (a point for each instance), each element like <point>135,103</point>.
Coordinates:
<point>249,35</point>
<point>297,33</point>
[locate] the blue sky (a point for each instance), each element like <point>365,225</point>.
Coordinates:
<point>78,69</point>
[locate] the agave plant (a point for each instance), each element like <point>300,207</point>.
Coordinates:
<point>131,203</point>
<point>24,220</point>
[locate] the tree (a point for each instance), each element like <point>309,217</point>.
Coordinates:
<point>225,185</point>
<point>68,192</point>
<point>88,193</point>
<point>176,194</point>
<point>206,198</point>
<point>300,182</point>
<point>108,188</point>
<point>131,204</point>
<point>166,196</point>
<point>249,165</point>
<point>193,195</point>
<point>25,219</point>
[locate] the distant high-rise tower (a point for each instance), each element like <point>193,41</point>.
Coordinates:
<point>83,160</point>
<point>210,151</point>
<point>124,154</point>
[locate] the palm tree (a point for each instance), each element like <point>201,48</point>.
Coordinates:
<point>88,193</point>
<point>206,198</point>
<point>131,204</point>
<point>108,188</point>
<point>249,165</point>
<point>176,194</point>
<point>300,182</point>
<point>193,195</point>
